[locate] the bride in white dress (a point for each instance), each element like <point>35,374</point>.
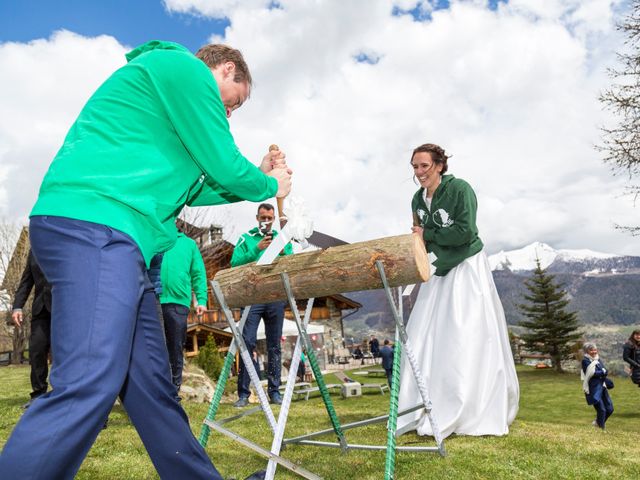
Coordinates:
<point>457,328</point>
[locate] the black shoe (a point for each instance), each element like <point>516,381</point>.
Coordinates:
<point>259,475</point>
<point>276,399</point>
<point>241,402</point>
<point>33,399</point>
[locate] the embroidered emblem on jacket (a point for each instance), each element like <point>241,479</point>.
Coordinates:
<point>442,218</point>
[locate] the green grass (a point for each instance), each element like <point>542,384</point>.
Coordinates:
<point>552,438</point>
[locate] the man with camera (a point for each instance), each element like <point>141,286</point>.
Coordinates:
<point>250,248</point>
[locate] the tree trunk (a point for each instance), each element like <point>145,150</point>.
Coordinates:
<point>557,361</point>
<point>345,268</point>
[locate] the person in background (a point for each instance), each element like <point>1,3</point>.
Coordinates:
<point>153,138</point>
<point>631,355</point>
<point>596,384</point>
<point>250,248</point>
<point>386,353</point>
<point>374,346</point>
<point>301,367</point>
<point>40,338</point>
<point>182,274</point>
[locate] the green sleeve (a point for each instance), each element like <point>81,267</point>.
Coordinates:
<point>464,227</point>
<point>198,276</point>
<point>244,252</point>
<point>288,249</point>
<point>192,102</point>
<point>212,195</point>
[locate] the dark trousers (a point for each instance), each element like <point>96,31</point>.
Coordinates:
<point>301,371</point>
<point>106,341</point>
<point>604,408</point>
<point>273,316</point>
<point>39,344</point>
<point>389,373</point>
<point>175,331</point>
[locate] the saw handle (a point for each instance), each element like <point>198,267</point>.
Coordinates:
<point>279,201</point>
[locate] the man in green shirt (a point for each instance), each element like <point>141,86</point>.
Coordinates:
<point>182,273</point>
<point>152,138</point>
<point>250,248</point>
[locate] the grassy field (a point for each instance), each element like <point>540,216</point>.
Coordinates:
<point>552,438</point>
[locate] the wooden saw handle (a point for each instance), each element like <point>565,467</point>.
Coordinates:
<point>279,201</point>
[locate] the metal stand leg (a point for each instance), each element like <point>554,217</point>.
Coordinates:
<point>246,356</point>
<point>313,361</point>
<point>390,459</point>
<point>277,427</point>
<point>422,387</point>
<point>221,385</point>
<point>276,445</point>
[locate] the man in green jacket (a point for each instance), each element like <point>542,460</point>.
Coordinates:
<point>152,138</point>
<point>250,248</point>
<point>181,274</point>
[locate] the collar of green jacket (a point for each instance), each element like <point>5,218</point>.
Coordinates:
<point>442,188</point>
<point>154,45</point>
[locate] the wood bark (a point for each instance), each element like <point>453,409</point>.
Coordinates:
<point>345,268</point>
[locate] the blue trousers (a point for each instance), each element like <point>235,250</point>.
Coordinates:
<point>106,341</point>
<point>273,316</point>
<point>604,408</point>
<point>175,330</point>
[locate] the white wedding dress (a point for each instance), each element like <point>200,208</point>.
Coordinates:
<point>458,334</point>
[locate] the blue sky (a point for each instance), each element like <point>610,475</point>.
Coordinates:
<point>132,22</point>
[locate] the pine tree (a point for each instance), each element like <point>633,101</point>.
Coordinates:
<point>551,329</point>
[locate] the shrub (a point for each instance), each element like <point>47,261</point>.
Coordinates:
<point>209,359</point>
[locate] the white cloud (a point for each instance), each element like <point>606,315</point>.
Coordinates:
<point>43,86</point>
<point>512,94</point>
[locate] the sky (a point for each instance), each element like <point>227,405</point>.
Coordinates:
<point>347,89</point>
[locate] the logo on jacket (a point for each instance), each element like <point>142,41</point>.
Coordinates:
<point>442,218</point>
<point>421,214</point>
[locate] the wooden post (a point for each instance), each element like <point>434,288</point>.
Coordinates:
<point>345,268</point>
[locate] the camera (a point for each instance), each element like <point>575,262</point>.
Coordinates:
<point>265,228</point>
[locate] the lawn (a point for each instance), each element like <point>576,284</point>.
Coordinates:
<point>552,437</point>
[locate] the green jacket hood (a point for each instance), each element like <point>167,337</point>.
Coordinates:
<point>154,45</point>
<point>444,183</point>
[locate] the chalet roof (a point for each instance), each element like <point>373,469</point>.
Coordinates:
<point>17,262</point>
<point>202,327</point>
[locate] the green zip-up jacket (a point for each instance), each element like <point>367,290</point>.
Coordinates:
<point>247,251</point>
<point>450,230</point>
<point>183,271</point>
<point>152,138</point>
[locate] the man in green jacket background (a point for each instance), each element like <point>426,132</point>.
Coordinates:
<point>152,138</point>
<point>183,274</point>
<point>250,248</point>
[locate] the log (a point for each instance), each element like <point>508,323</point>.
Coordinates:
<point>345,268</point>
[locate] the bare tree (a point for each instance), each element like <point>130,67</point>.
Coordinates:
<point>621,143</point>
<point>14,250</point>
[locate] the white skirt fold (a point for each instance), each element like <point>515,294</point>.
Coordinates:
<point>458,334</point>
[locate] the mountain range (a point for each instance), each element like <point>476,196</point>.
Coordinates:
<point>604,288</point>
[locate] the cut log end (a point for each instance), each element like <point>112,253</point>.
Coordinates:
<point>422,258</point>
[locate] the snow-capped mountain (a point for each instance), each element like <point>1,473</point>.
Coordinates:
<point>524,259</point>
